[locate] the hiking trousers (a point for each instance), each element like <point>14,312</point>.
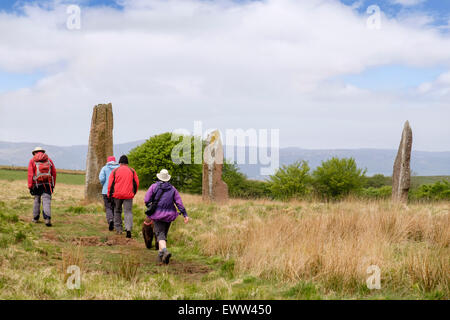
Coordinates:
<point>161,229</point>
<point>109,208</point>
<point>46,206</point>
<point>128,214</point>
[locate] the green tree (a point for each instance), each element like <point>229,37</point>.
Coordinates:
<point>336,178</point>
<point>157,153</point>
<point>383,192</point>
<point>292,181</point>
<point>239,186</point>
<point>235,179</point>
<point>378,181</point>
<point>440,190</point>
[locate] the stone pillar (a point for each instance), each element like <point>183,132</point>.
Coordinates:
<point>401,177</point>
<point>99,148</point>
<point>213,188</point>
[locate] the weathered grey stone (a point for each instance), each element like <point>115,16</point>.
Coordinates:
<point>100,147</point>
<point>401,177</point>
<point>213,188</point>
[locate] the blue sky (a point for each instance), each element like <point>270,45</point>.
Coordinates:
<point>12,81</point>
<point>11,5</point>
<point>438,8</point>
<point>392,77</point>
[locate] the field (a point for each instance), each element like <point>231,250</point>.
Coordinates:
<point>241,250</point>
<point>62,176</point>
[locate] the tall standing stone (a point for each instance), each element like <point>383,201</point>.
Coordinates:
<point>100,147</point>
<point>401,177</point>
<point>213,188</point>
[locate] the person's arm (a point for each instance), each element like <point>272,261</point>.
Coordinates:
<point>148,194</point>
<point>110,182</point>
<point>179,203</point>
<point>30,174</point>
<point>102,176</point>
<point>53,173</point>
<point>136,178</point>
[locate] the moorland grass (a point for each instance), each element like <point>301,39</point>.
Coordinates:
<point>242,250</point>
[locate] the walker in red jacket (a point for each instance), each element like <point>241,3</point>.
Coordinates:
<point>123,184</point>
<point>41,183</point>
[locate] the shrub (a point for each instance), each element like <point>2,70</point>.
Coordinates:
<point>257,189</point>
<point>235,180</point>
<point>291,181</point>
<point>240,187</point>
<point>377,181</point>
<point>377,193</point>
<point>336,178</point>
<point>440,190</point>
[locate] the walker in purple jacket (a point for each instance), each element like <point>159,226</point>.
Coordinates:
<point>165,211</point>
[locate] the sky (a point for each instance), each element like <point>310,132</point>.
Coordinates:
<point>317,70</point>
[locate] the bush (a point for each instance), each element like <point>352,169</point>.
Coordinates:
<point>336,178</point>
<point>291,181</point>
<point>240,187</point>
<point>377,193</point>
<point>440,190</point>
<point>235,180</point>
<point>156,153</point>
<point>377,181</point>
<point>257,189</point>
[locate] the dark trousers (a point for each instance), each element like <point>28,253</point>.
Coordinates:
<point>161,229</point>
<point>109,208</point>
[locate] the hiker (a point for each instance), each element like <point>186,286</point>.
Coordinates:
<point>123,184</point>
<point>41,183</point>
<point>166,197</point>
<point>111,164</point>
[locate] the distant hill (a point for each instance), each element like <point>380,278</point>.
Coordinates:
<point>72,157</point>
<point>375,160</point>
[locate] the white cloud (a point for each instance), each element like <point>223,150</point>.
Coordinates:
<point>164,64</point>
<point>440,88</point>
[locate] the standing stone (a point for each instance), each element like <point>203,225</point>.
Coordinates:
<point>401,177</point>
<point>100,147</point>
<point>213,188</point>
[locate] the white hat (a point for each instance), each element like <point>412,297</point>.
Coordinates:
<point>163,175</point>
<point>36,150</point>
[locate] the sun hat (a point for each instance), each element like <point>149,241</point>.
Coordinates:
<point>163,175</point>
<point>111,158</point>
<point>37,149</point>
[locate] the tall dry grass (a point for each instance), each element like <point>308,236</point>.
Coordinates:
<point>334,243</point>
<point>71,256</point>
<point>128,266</point>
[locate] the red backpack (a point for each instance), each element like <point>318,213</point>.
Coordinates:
<point>43,172</point>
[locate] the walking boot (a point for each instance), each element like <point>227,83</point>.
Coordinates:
<point>166,256</point>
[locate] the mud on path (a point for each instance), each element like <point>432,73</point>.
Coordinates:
<point>104,241</point>
<point>105,250</point>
